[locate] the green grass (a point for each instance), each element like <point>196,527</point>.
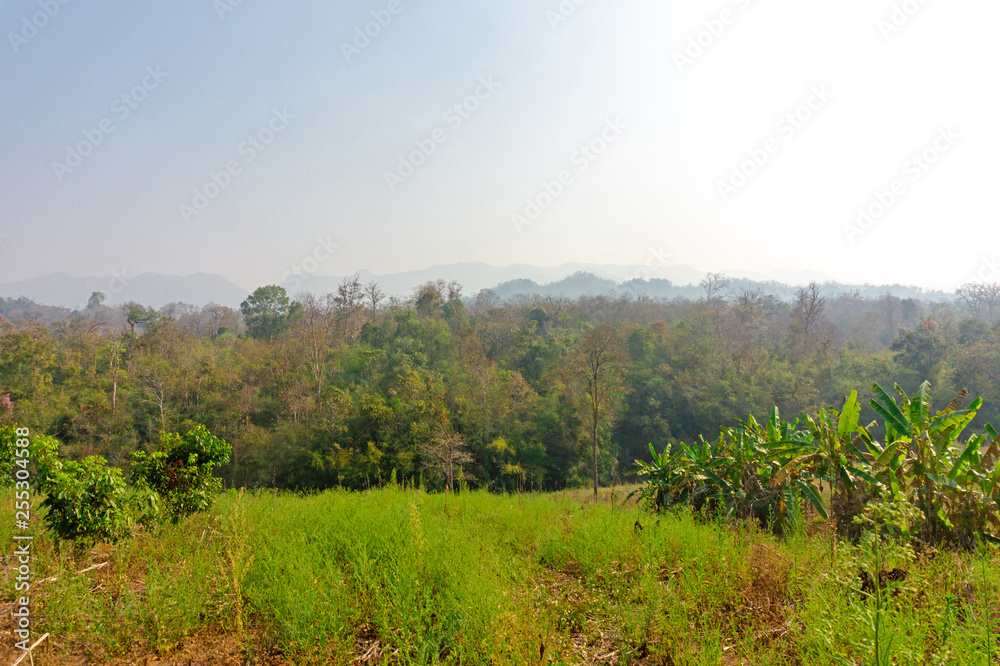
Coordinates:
<point>410,578</point>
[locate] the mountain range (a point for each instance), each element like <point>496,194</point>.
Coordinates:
<point>569,280</point>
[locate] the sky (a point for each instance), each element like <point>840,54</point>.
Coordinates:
<point>854,140</point>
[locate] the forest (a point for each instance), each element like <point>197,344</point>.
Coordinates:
<point>348,388</point>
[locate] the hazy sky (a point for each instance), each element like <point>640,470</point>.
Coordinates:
<point>245,137</point>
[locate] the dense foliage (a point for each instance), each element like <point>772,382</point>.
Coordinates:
<point>87,501</point>
<point>343,389</point>
<point>766,471</point>
<point>181,471</point>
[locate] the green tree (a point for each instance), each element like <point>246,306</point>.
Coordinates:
<point>920,351</point>
<point>95,300</point>
<point>599,362</point>
<point>266,312</point>
<point>136,314</point>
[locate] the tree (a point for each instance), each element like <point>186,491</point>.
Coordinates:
<point>217,319</point>
<point>349,304</point>
<point>600,363</point>
<point>375,295</point>
<point>95,300</point>
<point>445,454</point>
<point>808,310</point>
<point>266,312</point>
<point>714,284</point>
<point>921,350</point>
<point>315,329</point>
<point>981,298</point>
<point>136,314</point>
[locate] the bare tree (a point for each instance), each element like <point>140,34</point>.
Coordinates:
<point>808,310</point>
<point>714,284</point>
<point>375,295</point>
<point>349,304</point>
<point>752,307</point>
<point>981,298</point>
<point>315,330</point>
<point>446,454</point>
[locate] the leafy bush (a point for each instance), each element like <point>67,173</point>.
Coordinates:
<point>181,471</point>
<point>87,501</point>
<point>8,439</point>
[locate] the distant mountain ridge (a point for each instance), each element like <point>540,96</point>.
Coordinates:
<point>151,289</point>
<point>578,279</point>
<point>587,284</point>
<point>569,280</point>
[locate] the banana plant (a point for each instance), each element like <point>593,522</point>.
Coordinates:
<point>756,469</point>
<point>948,480</point>
<point>840,453</point>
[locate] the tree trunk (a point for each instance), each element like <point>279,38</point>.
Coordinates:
<point>594,444</point>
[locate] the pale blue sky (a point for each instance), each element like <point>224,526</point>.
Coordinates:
<point>557,85</point>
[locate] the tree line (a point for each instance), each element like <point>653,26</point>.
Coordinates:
<point>348,388</point>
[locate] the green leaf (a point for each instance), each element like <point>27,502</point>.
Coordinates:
<point>920,405</point>
<point>971,449</point>
<point>890,412</point>
<point>942,480</point>
<point>849,415</point>
<point>812,496</point>
<point>991,431</point>
<point>889,451</point>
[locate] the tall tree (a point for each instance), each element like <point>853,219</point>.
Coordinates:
<point>714,284</point>
<point>600,362</point>
<point>315,329</point>
<point>808,310</point>
<point>266,312</point>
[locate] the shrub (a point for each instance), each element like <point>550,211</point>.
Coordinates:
<point>181,471</point>
<point>87,501</point>
<point>8,439</point>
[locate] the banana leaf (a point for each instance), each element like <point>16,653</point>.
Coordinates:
<point>812,496</point>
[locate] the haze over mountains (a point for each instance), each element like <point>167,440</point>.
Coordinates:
<point>569,280</point>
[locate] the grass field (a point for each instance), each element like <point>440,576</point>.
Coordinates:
<point>402,577</point>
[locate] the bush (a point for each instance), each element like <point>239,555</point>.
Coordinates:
<point>181,471</point>
<point>87,501</point>
<point>8,439</point>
